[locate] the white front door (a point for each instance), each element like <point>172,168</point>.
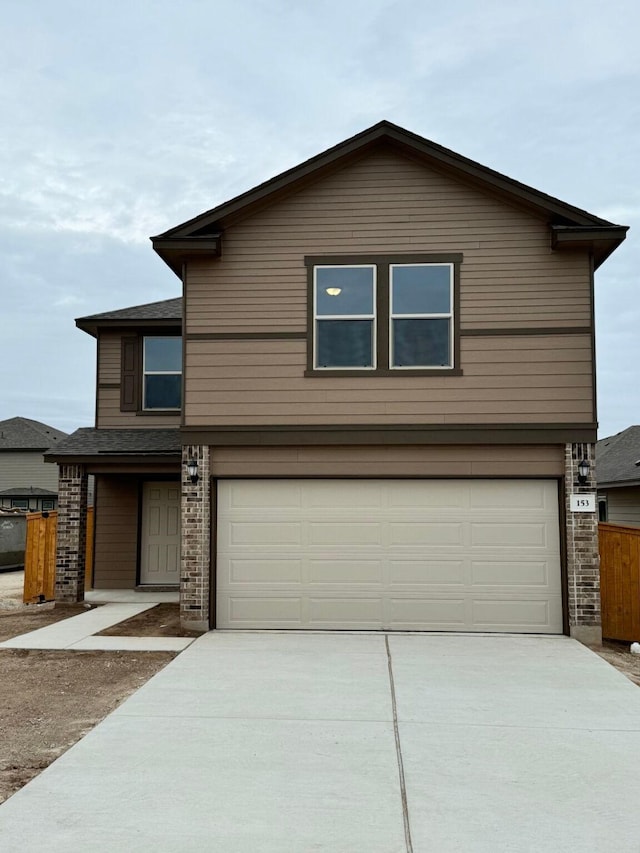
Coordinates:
<point>160,546</point>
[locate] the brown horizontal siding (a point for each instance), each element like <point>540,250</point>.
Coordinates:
<point>110,416</point>
<point>262,382</point>
<point>116,533</point>
<point>386,203</point>
<point>109,347</point>
<point>623,506</point>
<point>383,461</point>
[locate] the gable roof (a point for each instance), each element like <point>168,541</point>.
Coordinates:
<point>570,225</point>
<point>616,458</point>
<point>27,434</point>
<point>168,312</point>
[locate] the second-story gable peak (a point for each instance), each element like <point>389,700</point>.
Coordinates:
<point>190,237</point>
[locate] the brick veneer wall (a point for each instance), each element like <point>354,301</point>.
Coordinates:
<point>583,562</point>
<point>71,533</point>
<point>196,541</point>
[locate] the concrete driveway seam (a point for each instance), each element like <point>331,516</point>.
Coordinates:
<point>403,788</point>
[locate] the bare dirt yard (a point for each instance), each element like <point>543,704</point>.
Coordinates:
<point>163,620</point>
<point>50,699</point>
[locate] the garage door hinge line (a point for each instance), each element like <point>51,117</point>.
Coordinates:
<point>403,789</point>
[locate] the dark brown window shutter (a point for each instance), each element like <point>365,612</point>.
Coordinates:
<point>130,375</point>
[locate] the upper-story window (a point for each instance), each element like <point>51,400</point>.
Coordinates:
<point>345,298</point>
<point>162,373</point>
<point>421,311</point>
<point>383,314</point>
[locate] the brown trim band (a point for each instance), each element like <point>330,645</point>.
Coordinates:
<point>385,371</point>
<point>246,336</point>
<point>391,434</point>
<point>555,330</point>
<point>116,459</point>
<point>397,258</point>
<point>105,386</point>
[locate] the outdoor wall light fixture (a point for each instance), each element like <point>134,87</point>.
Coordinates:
<point>334,291</point>
<point>192,470</point>
<point>583,472</point>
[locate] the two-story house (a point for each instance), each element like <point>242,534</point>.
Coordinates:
<point>367,410</point>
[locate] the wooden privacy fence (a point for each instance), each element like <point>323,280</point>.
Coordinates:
<point>620,581</point>
<point>40,556</point>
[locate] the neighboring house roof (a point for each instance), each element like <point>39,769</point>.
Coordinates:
<point>26,434</point>
<point>90,442</point>
<point>27,491</point>
<point>616,458</point>
<point>570,225</point>
<point>168,312</point>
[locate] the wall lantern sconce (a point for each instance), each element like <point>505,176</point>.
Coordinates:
<point>192,470</point>
<point>583,472</point>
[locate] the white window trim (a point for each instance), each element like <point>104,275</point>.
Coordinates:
<point>447,316</point>
<point>146,373</point>
<point>320,318</point>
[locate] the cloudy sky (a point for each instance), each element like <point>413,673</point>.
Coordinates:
<point>122,119</point>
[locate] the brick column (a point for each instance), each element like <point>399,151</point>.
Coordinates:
<point>196,541</point>
<point>72,533</point>
<point>583,561</point>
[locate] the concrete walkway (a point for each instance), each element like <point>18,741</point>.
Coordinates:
<point>77,633</point>
<point>351,743</point>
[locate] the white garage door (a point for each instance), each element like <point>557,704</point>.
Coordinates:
<point>442,555</point>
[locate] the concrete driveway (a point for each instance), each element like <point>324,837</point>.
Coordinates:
<point>288,743</point>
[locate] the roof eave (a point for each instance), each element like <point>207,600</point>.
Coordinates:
<point>115,458</point>
<point>600,240</point>
<point>618,484</point>
<point>91,327</point>
<point>175,250</point>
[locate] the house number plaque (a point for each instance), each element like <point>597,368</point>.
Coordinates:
<point>582,503</point>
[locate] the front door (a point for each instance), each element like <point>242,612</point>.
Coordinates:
<point>160,546</point>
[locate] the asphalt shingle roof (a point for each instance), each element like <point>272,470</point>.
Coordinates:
<point>167,309</point>
<point>26,491</point>
<point>616,457</point>
<point>27,434</point>
<point>119,442</point>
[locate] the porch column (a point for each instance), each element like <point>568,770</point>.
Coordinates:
<point>71,533</point>
<point>583,560</point>
<point>196,540</point>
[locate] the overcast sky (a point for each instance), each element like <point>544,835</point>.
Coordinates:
<point>122,119</point>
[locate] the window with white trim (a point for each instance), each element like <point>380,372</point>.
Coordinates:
<point>161,373</point>
<point>384,314</point>
<point>344,317</point>
<point>421,314</point>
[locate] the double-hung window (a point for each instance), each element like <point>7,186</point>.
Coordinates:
<point>344,311</point>
<point>384,314</point>
<point>162,373</point>
<point>421,311</point>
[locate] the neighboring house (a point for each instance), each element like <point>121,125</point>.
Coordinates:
<point>26,481</point>
<point>366,412</point>
<point>618,474</point>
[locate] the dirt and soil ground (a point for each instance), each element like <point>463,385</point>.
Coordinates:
<point>50,699</point>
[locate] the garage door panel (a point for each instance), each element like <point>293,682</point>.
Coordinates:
<point>406,534</point>
<point>444,614</point>
<point>421,572</point>
<point>509,495</point>
<point>245,611</point>
<point>345,612</point>
<point>340,571</point>
<point>269,572</point>
<point>345,534</point>
<point>502,535</point>
<point>261,534</point>
<point>512,613</point>
<point>411,495</point>
<point>512,573</point>
<point>400,559</point>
